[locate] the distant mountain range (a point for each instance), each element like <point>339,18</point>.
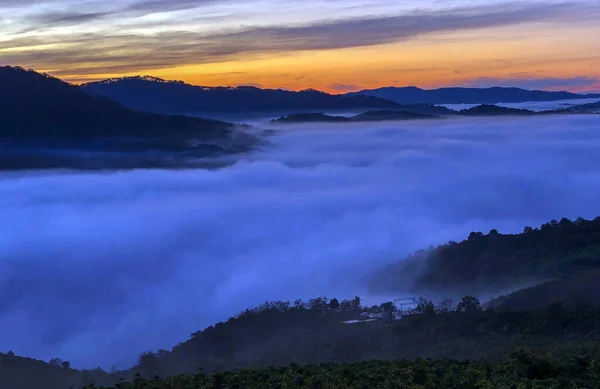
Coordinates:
<point>495,95</point>
<point>156,95</point>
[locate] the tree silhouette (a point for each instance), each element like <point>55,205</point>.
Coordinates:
<point>469,304</point>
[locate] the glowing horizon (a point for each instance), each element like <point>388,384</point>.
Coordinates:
<point>546,45</point>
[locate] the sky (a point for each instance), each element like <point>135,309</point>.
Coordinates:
<point>97,267</point>
<point>331,45</point>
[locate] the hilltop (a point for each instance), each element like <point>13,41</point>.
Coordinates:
<point>458,95</point>
<point>39,112</point>
<point>157,95</point>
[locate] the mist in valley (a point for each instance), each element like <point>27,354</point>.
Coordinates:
<point>96,267</point>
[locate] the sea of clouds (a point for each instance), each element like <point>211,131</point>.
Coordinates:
<point>98,267</point>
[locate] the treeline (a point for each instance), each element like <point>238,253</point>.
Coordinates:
<point>486,262</point>
<point>26,373</point>
<point>523,369</point>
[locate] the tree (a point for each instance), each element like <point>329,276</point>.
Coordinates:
<point>148,364</point>
<point>298,304</point>
<point>334,304</point>
<point>55,361</point>
<point>318,304</point>
<point>475,235</point>
<point>356,303</point>
<point>387,307</point>
<point>425,306</point>
<point>445,306</point>
<point>469,304</point>
<point>346,305</point>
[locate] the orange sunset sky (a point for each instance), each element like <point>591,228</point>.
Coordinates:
<point>332,45</point>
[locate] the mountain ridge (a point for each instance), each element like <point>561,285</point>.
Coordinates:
<point>158,95</point>
<point>177,97</point>
<point>467,95</point>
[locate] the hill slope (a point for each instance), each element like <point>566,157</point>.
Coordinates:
<point>487,263</point>
<point>157,95</point>
<point>414,95</point>
<point>37,105</point>
<point>48,123</point>
<point>582,288</point>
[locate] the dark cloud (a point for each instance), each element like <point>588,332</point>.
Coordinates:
<point>344,87</point>
<point>155,6</point>
<point>66,18</point>
<point>502,61</point>
<point>184,47</point>
<point>533,83</point>
<point>123,262</point>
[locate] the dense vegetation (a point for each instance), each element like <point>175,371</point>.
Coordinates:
<point>562,348</point>
<point>495,261</point>
<point>524,369</point>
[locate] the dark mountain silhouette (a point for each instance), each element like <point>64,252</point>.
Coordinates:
<point>422,112</point>
<point>494,110</point>
<point>369,116</point>
<point>390,115</point>
<point>307,117</point>
<point>39,113</point>
<point>39,106</point>
<point>456,95</point>
<point>157,95</point>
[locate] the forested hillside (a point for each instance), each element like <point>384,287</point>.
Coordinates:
<point>495,261</point>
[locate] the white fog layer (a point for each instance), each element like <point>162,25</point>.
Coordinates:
<point>96,268</point>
